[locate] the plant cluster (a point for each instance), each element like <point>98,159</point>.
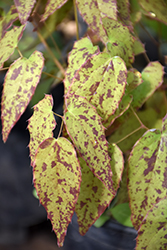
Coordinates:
<point>114,126</point>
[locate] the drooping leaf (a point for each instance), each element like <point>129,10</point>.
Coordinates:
<point>41,124</point>
<point>122,214</point>
<point>19,86</point>
<point>57,178</point>
<point>120,40</point>
<point>135,11</point>
<point>94,197</point>
<point>24,9</point>
<point>102,81</point>
<point>52,6</point>
<point>147,173</point>
<point>8,20</point>
<point>9,42</point>
<point>152,76</point>
<point>155,8</point>
<point>93,11</point>
<point>84,126</point>
<point>153,232</point>
<point>81,52</point>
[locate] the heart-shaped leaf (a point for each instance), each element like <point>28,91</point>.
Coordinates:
<point>84,126</point>
<point>19,86</point>
<point>94,197</point>
<point>24,9</point>
<point>57,178</point>
<point>41,124</point>
<point>147,181</point>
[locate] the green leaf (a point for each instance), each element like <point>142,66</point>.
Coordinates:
<point>102,81</point>
<point>152,76</point>
<point>8,20</point>
<point>122,214</point>
<point>101,220</point>
<point>138,47</point>
<point>124,13</point>
<point>155,9</point>
<point>81,52</point>
<point>51,7</point>
<point>134,79</point>
<point>9,42</point>
<point>152,233</point>
<point>93,11</point>
<point>57,178</point>
<point>121,41</point>
<point>19,86</point>
<point>41,124</point>
<point>84,127</point>
<point>147,173</point>
<point>94,197</point>
<point>24,9</point>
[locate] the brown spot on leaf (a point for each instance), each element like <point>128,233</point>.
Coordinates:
<point>16,72</point>
<point>44,166</point>
<point>164,184</point>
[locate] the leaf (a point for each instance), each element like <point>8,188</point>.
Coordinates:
<point>152,76</point>
<point>124,13</point>
<point>152,233</point>
<point>138,47</point>
<point>9,42</point>
<point>120,40</point>
<point>155,8</point>
<point>87,133</point>
<point>94,197</point>
<point>102,81</point>
<point>57,178</point>
<point>8,20</point>
<point>19,86</point>
<point>51,7</point>
<point>147,173</point>
<point>81,52</point>
<point>122,214</point>
<point>24,9</point>
<point>134,79</point>
<point>93,12</point>
<point>41,124</point>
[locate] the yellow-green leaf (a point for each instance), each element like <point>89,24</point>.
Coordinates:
<point>153,232</point>
<point>8,20</point>
<point>94,197</point>
<point>24,9</point>
<point>84,126</point>
<point>19,86</point>
<point>147,171</point>
<point>93,11</point>
<point>51,7</point>
<point>81,52</point>
<point>9,42</point>
<point>102,80</point>
<point>57,178</point>
<point>121,41</point>
<point>41,124</point>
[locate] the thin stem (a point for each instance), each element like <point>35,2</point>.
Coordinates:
<point>76,19</point>
<point>56,77</point>
<point>36,7</point>
<point>51,54</point>
<point>61,128</point>
<point>4,68</point>
<point>19,52</point>
<point>58,115</point>
<point>134,131</point>
<point>142,125</point>
<point>146,57</point>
